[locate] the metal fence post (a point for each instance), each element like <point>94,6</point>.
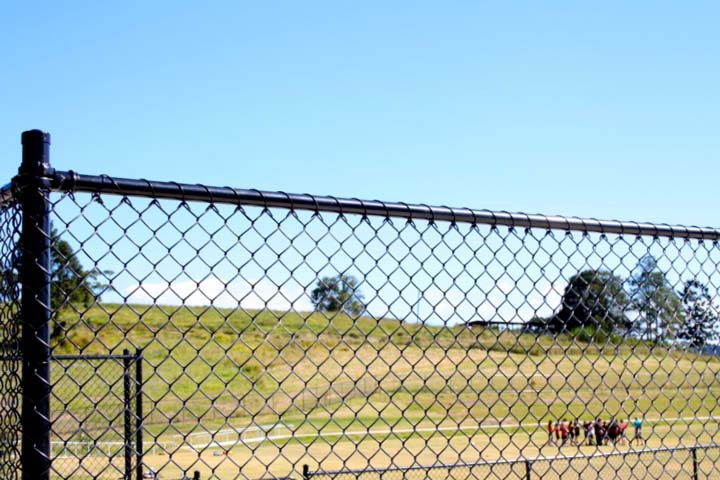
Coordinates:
<point>35,313</point>
<point>695,463</point>
<point>127,414</point>
<point>138,414</point>
<point>528,470</point>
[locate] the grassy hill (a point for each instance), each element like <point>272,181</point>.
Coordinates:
<point>208,364</point>
<point>208,369</point>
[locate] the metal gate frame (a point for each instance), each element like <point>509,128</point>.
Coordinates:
<point>132,443</point>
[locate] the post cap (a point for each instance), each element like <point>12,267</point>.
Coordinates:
<point>35,153</point>
<point>33,136</point>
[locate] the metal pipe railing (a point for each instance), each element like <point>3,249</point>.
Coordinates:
<point>73,182</point>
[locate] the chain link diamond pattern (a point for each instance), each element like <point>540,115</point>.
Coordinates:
<point>10,365</point>
<point>284,341</point>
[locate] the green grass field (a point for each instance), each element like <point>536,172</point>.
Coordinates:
<point>208,370</point>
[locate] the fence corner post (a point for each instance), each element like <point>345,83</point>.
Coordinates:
<point>33,184</point>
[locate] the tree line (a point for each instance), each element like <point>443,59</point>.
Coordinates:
<point>595,303</point>
<point>598,303</point>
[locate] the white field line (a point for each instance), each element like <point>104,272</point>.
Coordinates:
<point>263,429</point>
<point>103,446</point>
<point>367,433</point>
<point>227,431</point>
<point>249,428</point>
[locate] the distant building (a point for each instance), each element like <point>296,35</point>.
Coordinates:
<point>478,324</point>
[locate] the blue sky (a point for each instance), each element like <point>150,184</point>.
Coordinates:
<point>607,110</point>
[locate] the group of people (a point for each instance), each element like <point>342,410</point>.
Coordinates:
<point>596,432</point>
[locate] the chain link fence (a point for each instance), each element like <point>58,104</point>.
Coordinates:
<point>96,416</point>
<point>304,336</point>
<point>678,463</point>
<point>10,360</point>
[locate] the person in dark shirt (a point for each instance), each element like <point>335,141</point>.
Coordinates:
<point>576,432</point>
<point>599,434</point>
<point>637,423</point>
<point>557,432</point>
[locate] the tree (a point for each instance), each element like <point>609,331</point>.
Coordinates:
<point>593,300</point>
<point>340,293</point>
<point>701,319</point>
<point>658,306</point>
<point>71,285</point>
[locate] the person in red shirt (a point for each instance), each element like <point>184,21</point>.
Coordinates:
<point>564,432</point>
<point>623,427</point>
<point>551,431</point>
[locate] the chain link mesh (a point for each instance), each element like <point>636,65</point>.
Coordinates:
<point>10,366</point>
<point>677,463</point>
<point>290,342</point>
<point>94,415</point>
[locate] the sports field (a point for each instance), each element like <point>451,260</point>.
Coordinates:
<point>351,450</point>
<point>234,396</point>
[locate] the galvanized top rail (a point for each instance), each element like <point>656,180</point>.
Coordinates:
<point>491,463</point>
<point>73,182</point>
